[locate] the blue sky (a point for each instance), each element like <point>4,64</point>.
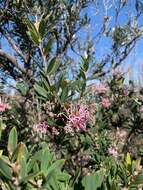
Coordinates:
<point>134,60</point>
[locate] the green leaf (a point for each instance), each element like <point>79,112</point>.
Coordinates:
<point>48,46</point>
<point>64,94</point>
<point>12,140</point>
<point>54,183</point>
<point>42,28</point>
<point>76,178</point>
<point>94,181</point>
<point>45,82</point>
<point>23,168</point>
<point>82,74</point>
<point>21,152</point>
<point>41,91</point>
<point>34,36</point>
<point>5,170</point>
<point>137,182</point>
<point>36,157</point>
<point>33,33</point>
<point>61,176</point>
<point>128,162</point>
<point>22,87</point>
<point>85,64</point>
<point>31,176</point>
<point>51,65</point>
<point>2,127</point>
<point>128,159</point>
<point>36,168</point>
<point>46,158</point>
<point>83,87</point>
<point>57,165</point>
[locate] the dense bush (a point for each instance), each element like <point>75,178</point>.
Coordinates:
<point>74,122</point>
<point>92,138</point>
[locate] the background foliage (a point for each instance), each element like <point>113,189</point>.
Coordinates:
<point>73,122</point>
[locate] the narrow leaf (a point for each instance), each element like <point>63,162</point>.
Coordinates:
<point>12,140</point>
<point>5,170</point>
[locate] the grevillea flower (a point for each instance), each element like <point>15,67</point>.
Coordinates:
<point>106,102</point>
<point>4,106</point>
<point>41,127</point>
<point>113,151</point>
<point>101,88</point>
<point>78,117</point>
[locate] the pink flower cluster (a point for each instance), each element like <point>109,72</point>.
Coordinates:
<point>78,116</point>
<point>4,106</point>
<point>106,102</point>
<point>101,88</point>
<point>113,151</point>
<point>41,127</point>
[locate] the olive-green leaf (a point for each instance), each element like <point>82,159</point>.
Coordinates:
<point>12,140</point>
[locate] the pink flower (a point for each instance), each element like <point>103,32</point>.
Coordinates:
<point>78,117</point>
<point>41,127</point>
<point>4,106</point>
<point>102,88</point>
<point>106,102</point>
<point>113,151</point>
<point>55,132</point>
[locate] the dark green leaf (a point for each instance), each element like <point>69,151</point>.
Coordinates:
<point>64,94</point>
<point>42,28</point>
<point>51,65</point>
<point>48,46</point>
